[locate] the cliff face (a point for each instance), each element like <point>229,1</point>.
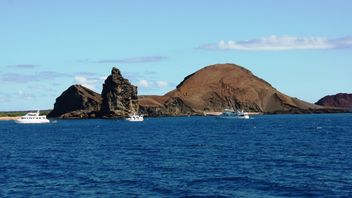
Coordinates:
<point>221,86</point>
<point>342,100</point>
<point>119,96</point>
<point>77,101</point>
<point>118,99</point>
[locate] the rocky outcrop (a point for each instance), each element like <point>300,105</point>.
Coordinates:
<point>77,102</point>
<point>223,86</point>
<point>118,99</point>
<point>119,96</point>
<point>160,106</point>
<point>342,100</point>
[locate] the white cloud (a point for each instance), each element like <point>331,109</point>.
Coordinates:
<point>26,78</point>
<point>150,84</point>
<point>285,42</point>
<point>90,83</point>
<point>144,83</point>
<point>162,84</point>
<point>23,66</point>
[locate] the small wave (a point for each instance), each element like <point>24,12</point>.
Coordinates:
<point>259,186</point>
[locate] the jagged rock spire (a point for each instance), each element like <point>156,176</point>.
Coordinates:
<point>119,96</point>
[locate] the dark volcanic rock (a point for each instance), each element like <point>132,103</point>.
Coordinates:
<point>77,102</point>
<point>223,86</point>
<point>342,100</point>
<point>172,106</point>
<point>118,99</point>
<point>119,96</point>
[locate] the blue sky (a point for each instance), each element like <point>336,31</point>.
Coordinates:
<point>303,48</point>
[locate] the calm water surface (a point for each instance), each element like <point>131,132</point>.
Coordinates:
<point>268,156</point>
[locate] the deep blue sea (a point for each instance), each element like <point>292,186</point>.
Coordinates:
<point>267,156</point>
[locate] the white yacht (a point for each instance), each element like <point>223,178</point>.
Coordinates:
<point>32,118</point>
<point>135,118</point>
<point>234,114</point>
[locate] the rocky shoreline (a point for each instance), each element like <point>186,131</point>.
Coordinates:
<point>211,89</point>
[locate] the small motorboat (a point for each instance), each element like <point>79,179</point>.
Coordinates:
<point>135,118</point>
<point>32,118</point>
<point>242,114</point>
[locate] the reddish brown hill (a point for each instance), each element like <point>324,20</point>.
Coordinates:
<point>221,86</point>
<point>342,100</point>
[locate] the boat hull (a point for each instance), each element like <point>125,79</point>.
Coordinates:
<point>233,117</point>
<point>42,121</point>
<point>228,114</point>
<point>135,120</point>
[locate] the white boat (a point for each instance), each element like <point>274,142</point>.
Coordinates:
<point>135,118</point>
<point>242,114</point>
<point>32,118</point>
<point>234,114</point>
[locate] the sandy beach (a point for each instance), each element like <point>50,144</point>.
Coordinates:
<point>9,118</point>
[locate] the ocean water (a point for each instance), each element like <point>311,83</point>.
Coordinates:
<point>267,156</point>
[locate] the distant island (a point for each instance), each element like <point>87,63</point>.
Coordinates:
<point>342,100</point>
<point>208,90</point>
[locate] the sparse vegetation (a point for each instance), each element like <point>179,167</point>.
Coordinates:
<point>20,113</point>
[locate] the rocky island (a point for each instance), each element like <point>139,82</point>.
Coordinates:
<point>211,89</point>
<point>342,100</point>
<point>118,99</point>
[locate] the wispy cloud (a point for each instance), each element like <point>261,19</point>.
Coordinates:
<point>138,59</point>
<point>150,73</point>
<point>279,43</point>
<point>136,76</point>
<point>23,66</point>
<point>25,78</point>
<point>88,82</point>
<point>144,83</point>
<point>150,84</point>
<point>162,84</point>
<point>48,75</point>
